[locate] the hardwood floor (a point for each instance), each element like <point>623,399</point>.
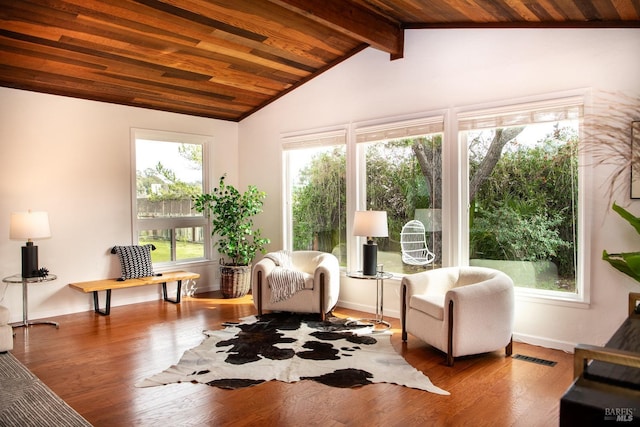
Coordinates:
<point>93,362</point>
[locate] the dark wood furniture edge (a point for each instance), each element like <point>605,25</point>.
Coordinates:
<point>403,313</point>
<point>450,336</point>
<point>634,300</point>
<point>585,353</point>
<point>323,315</point>
<point>259,296</point>
<point>605,386</point>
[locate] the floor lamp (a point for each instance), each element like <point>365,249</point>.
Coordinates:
<point>29,225</point>
<point>370,224</point>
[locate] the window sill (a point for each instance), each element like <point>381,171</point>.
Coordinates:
<point>178,265</point>
<point>551,297</point>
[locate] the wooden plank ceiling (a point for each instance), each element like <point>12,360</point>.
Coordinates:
<point>226,59</point>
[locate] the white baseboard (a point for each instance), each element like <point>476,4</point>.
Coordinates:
<point>567,347</point>
<point>367,309</point>
<point>210,288</point>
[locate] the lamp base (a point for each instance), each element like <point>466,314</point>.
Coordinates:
<point>369,259</point>
<point>29,260</point>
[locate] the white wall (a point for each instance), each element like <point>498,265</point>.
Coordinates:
<point>72,158</point>
<point>445,69</point>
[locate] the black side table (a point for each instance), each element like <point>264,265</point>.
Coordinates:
<point>17,278</point>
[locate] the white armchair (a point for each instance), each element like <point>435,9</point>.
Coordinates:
<point>321,284</point>
<point>459,310</point>
<point>6,331</point>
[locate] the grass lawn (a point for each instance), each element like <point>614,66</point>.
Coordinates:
<point>184,250</point>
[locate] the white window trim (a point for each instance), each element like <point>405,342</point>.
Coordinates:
<point>388,128</point>
<point>160,135</point>
<point>324,137</point>
<point>454,179</point>
<point>582,296</point>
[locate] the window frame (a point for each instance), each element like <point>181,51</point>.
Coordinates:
<point>455,233</point>
<point>574,98</point>
<point>327,137</point>
<point>364,133</point>
<point>171,223</point>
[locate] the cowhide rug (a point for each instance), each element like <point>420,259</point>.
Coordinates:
<point>290,348</point>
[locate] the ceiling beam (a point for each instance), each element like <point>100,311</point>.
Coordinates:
<point>353,20</point>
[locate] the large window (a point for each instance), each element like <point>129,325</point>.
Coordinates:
<point>523,192</point>
<point>507,196</point>
<point>315,190</point>
<point>400,172</point>
<point>169,171</point>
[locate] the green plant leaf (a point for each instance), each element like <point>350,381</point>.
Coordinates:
<point>627,263</point>
<point>631,219</point>
<point>231,215</point>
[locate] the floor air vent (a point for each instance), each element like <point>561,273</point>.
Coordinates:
<point>535,360</point>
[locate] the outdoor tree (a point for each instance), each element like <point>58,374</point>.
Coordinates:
<point>162,183</point>
<point>522,196</point>
<point>526,208</point>
<point>191,153</point>
<point>501,137</point>
<point>319,202</point>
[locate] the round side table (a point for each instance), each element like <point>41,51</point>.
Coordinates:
<point>17,278</point>
<point>379,278</point>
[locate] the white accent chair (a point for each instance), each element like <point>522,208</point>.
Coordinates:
<point>321,290</point>
<point>6,331</point>
<point>413,243</point>
<point>459,310</point>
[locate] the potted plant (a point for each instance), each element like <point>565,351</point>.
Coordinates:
<point>231,214</point>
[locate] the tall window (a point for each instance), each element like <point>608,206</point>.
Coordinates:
<point>514,199</point>
<point>523,191</point>
<point>169,171</point>
<point>401,173</point>
<point>315,191</point>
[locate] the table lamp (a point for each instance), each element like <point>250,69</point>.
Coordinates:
<point>29,225</point>
<point>370,224</point>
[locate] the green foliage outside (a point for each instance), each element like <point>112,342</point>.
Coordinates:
<point>169,187</point>
<point>184,249</point>
<point>395,184</point>
<point>522,235</point>
<point>525,209</point>
<point>319,203</point>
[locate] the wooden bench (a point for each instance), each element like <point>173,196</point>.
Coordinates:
<point>108,284</point>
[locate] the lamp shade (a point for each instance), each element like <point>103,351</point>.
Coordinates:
<point>370,224</point>
<point>29,226</point>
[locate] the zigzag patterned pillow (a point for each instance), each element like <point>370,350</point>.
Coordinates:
<point>135,260</point>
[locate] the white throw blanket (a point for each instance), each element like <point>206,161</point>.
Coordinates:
<point>283,280</point>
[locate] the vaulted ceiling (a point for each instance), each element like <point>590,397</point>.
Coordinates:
<point>226,59</point>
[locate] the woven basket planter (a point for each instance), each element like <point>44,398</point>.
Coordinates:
<point>235,281</point>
